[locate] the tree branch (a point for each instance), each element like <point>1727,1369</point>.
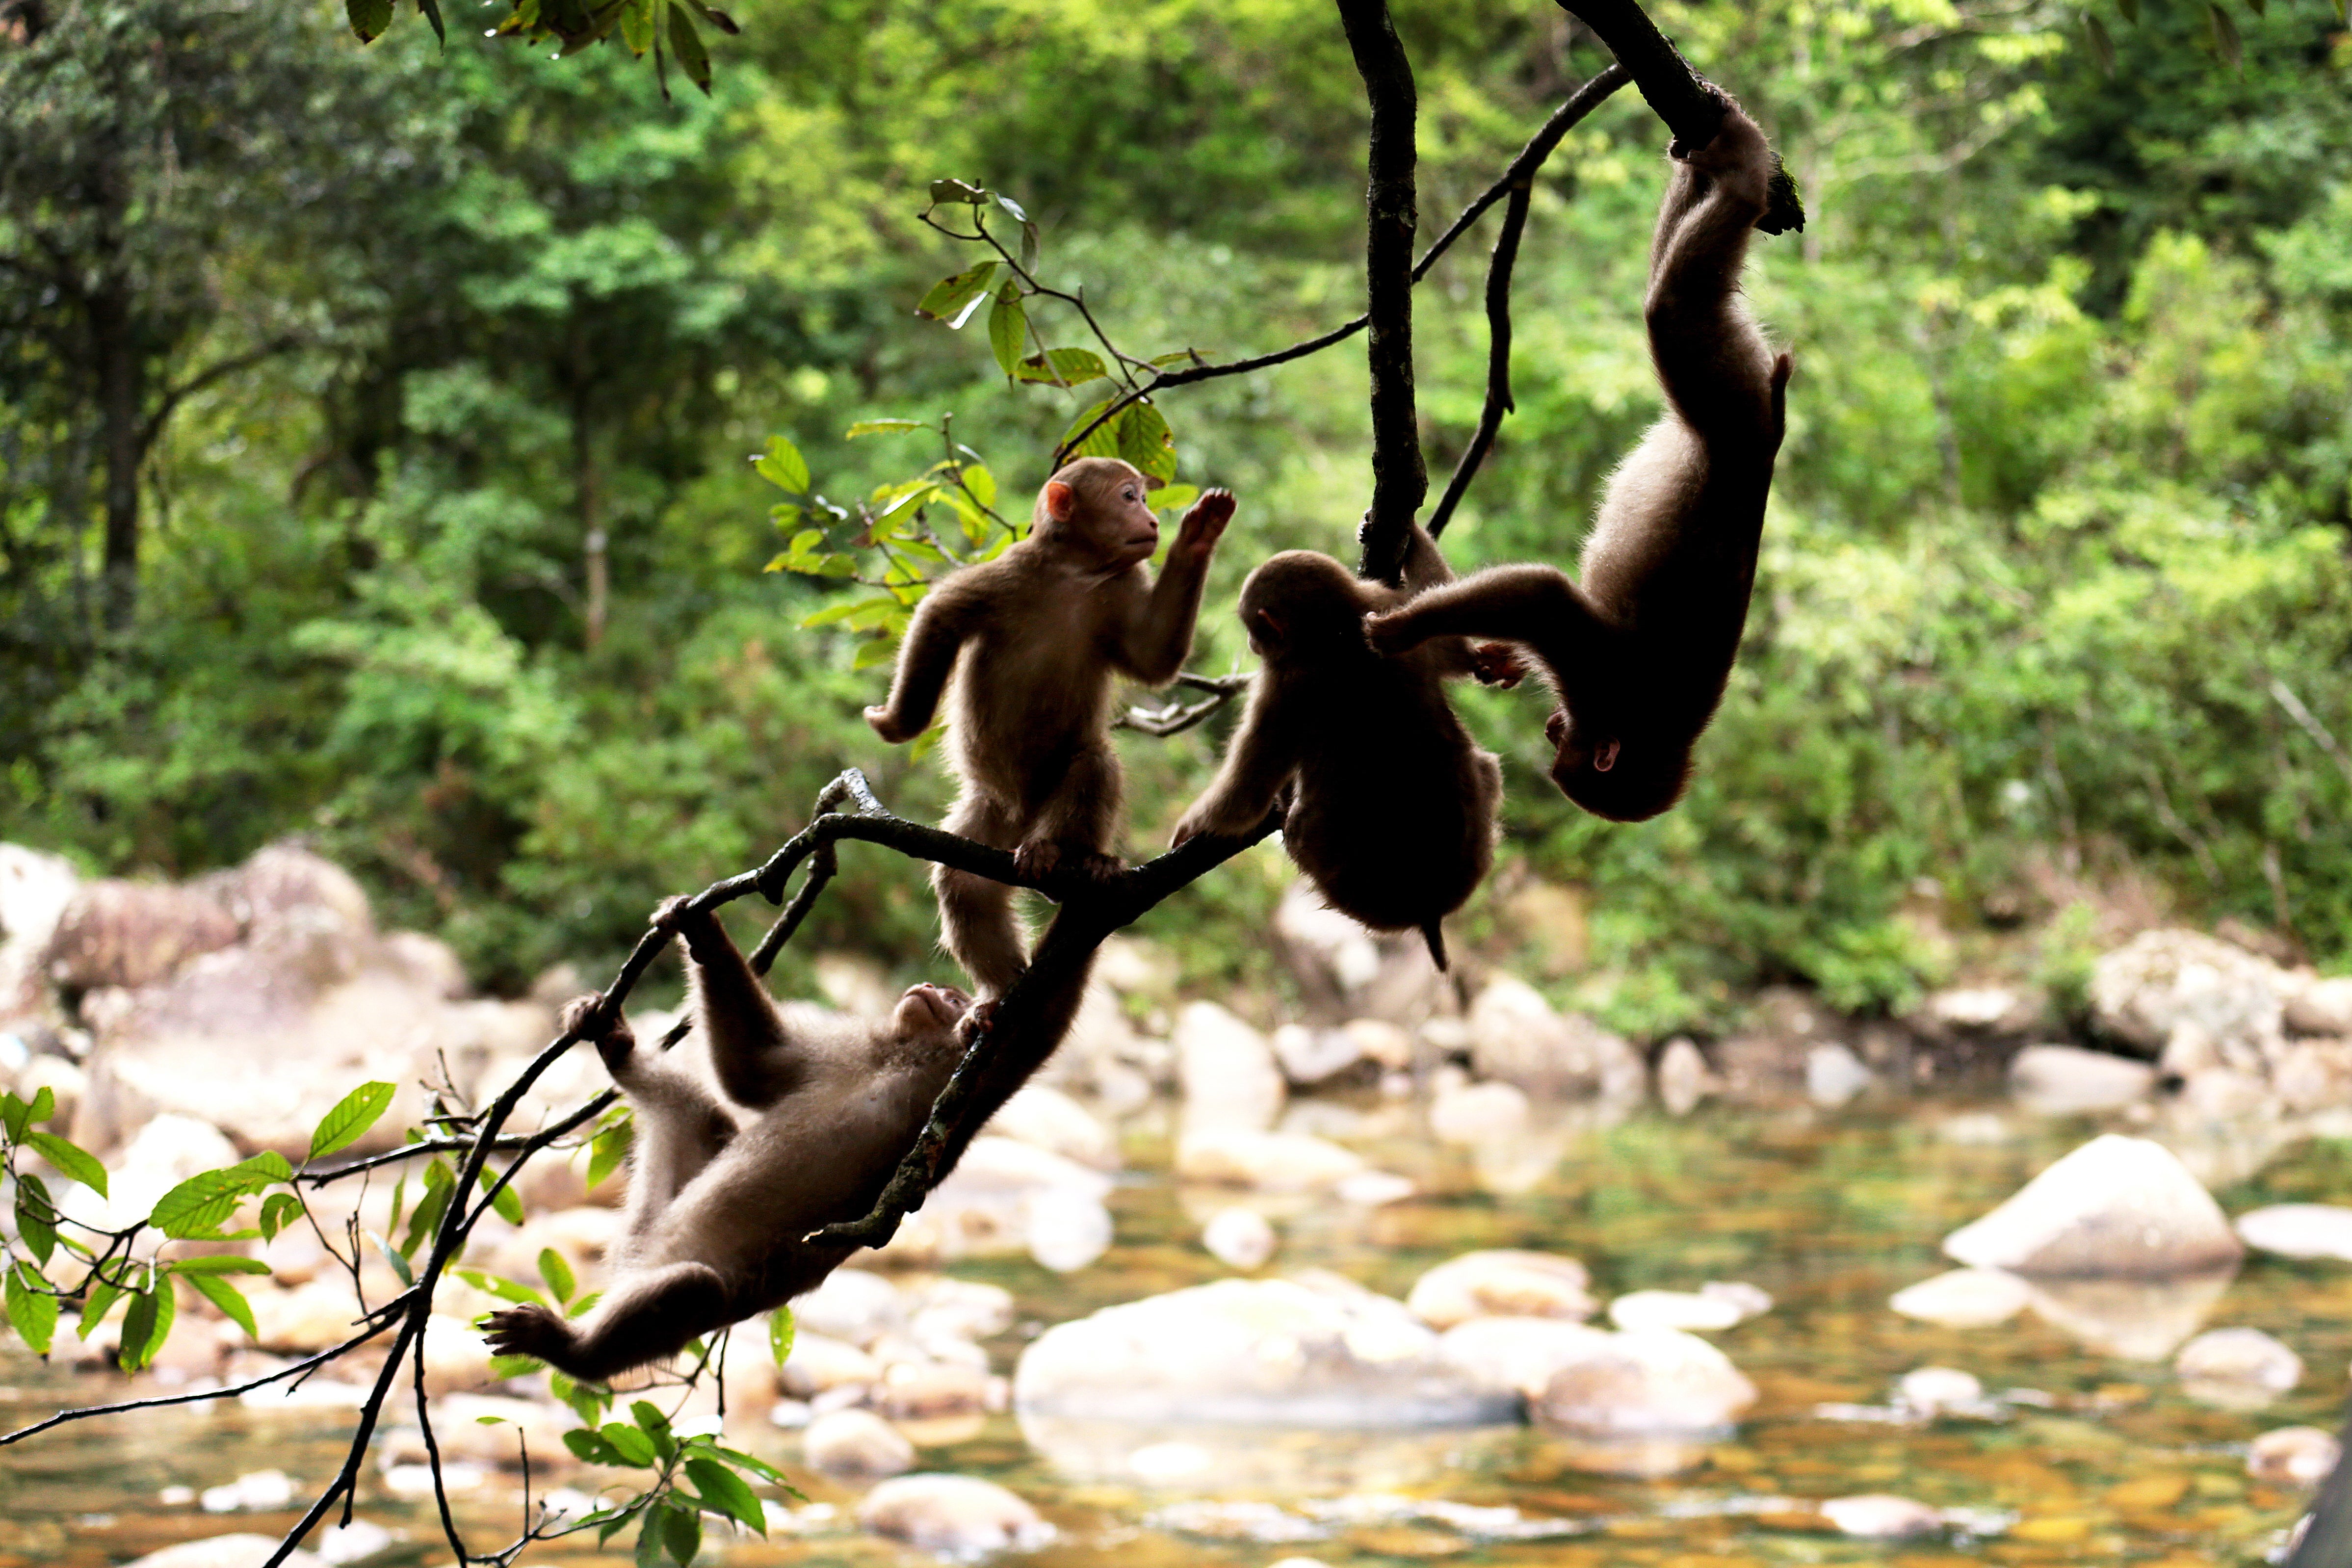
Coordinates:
<point>1521,180</point>
<point>219,371</point>
<point>1400,483</point>
<point>1692,106</point>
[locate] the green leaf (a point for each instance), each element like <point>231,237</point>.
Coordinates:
<point>506,1366</point>
<point>505,1290</point>
<point>1008,327</point>
<point>504,1202</point>
<point>369,19</point>
<point>636,21</point>
<point>686,44</point>
<point>1064,367</point>
<point>396,1261</point>
<point>440,1183</point>
<point>432,9</point>
<point>279,1210</point>
<point>197,1206</point>
<point>681,1533</point>
<point>590,1449</point>
<point>37,1216</point>
<point>957,191</point>
<point>887,426</point>
<point>1171,497</point>
<point>557,1273</point>
<point>849,611</point>
<point>760,1467</point>
<point>44,1106</point>
<point>607,1149</point>
<point>97,1302</point>
<point>1189,356</point>
<point>782,1332</point>
<point>2225,35</point>
<point>582,1305</point>
<point>352,1116</point>
<point>227,1298</point>
<point>723,1491</point>
<point>32,1311</point>
<point>782,466</point>
<point>225,1264</point>
<point>589,1401</point>
<point>1101,442</point>
<point>952,299</point>
<point>633,1445</point>
<point>875,654</point>
<point>2259,7</point>
<point>1145,440</point>
<point>2102,48</point>
<point>71,1159</point>
<point>656,1425</point>
<point>148,1324</point>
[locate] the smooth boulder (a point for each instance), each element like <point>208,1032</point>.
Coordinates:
<point>2067,1081</point>
<point>2298,1230</point>
<point>2115,1207</point>
<point>1226,1071</point>
<point>2236,1369</point>
<point>960,1517</point>
<point>1502,1282</point>
<point>1520,1355</point>
<point>1646,1383</point>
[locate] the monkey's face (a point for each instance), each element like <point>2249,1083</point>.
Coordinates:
<point>1101,504</point>
<point>1610,778</point>
<point>928,1009</point>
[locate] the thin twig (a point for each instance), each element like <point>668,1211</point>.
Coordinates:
<point>1175,718</point>
<point>301,1368</point>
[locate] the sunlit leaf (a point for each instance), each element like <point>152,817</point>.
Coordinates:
<point>1145,440</point>
<point>225,1263</point>
<point>557,1273</point>
<point>872,655</point>
<point>633,1445</point>
<point>505,1290</point>
<point>504,1202</point>
<point>32,1311</point>
<point>506,1366</point>
<point>37,1216</point>
<point>13,1115</point>
<point>1190,356</point>
<point>1064,367</point>
<point>148,1324</point>
<point>352,1117</point>
<point>723,1491</point>
<point>885,427</point>
<point>654,1424</point>
<point>69,1159</point>
<point>590,1449</point>
<point>782,466</point>
<point>1169,498</point>
<point>1100,442</point>
<point>97,1302</point>
<point>279,1210</point>
<point>781,1331</point>
<point>607,1149</point>
<point>213,1288</point>
<point>1008,327</point>
<point>953,297</point>
<point>198,1206</point>
<point>957,191</point>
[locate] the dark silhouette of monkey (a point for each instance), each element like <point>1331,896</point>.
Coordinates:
<point>1640,651</point>
<point>809,1116</point>
<point>1391,811</point>
<point>1033,639</point>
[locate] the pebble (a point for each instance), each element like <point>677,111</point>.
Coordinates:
<point>1373,1189</point>
<point>1963,1299</point>
<point>259,1490</point>
<point>349,1542</point>
<point>1933,1390</point>
<point>925,1390</point>
<point>852,1304</point>
<point>857,1443</point>
<point>1881,1516</point>
<point>1502,1283</point>
<point>2293,1455</point>
<point>1834,1074</point>
<point>2298,1230</point>
<point>1280,1162</point>
<point>1239,1238</point>
<point>1519,1355</point>
<point>952,1516</point>
<point>819,1362</point>
<point>1649,1382</point>
<point>2067,1081</point>
<point>1686,1309</point>
<point>2238,1369</point>
<point>1752,1301</point>
<point>1068,1229</point>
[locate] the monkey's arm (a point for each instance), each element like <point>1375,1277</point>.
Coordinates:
<point>750,1050</point>
<point>949,614</point>
<point>1152,644</point>
<point>1534,604</point>
<point>1710,357</point>
<point>1261,759</point>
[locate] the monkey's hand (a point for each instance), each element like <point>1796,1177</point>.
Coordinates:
<point>890,726</point>
<point>975,1024</point>
<point>1393,632</point>
<point>616,1045</point>
<point>1738,158</point>
<point>1204,524</point>
<point>531,1331</point>
<point>1497,664</point>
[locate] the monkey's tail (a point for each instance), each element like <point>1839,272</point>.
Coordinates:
<point>1435,935</point>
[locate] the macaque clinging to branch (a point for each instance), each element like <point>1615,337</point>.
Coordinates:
<point>1391,811</point>
<point>1640,650</point>
<point>1034,637</point>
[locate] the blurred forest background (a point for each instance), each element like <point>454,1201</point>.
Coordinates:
<point>320,365</point>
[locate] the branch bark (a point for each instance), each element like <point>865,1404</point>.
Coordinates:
<point>1400,482</point>
<point>1692,106</point>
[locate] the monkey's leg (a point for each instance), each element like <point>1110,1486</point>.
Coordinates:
<point>977,924</point>
<point>1075,828</point>
<point>643,1318</point>
<point>1539,605</point>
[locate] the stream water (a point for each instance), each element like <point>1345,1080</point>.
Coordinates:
<point>2088,1456</point>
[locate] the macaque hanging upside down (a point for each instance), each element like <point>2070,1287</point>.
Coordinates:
<point>1639,651</point>
<point>1033,639</point>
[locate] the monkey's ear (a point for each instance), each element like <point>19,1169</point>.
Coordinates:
<point>1261,624</point>
<point>1061,501</point>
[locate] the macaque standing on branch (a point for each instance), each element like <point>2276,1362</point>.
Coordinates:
<point>808,1116</point>
<point>1639,652</point>
<point>1034,637</point>
<point>1391,811</point>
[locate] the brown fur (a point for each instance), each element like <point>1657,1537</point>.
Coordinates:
<point>804,1116</point>
<point>1391,811</point>
<point>1640,651</point>
<point>1033,639</point>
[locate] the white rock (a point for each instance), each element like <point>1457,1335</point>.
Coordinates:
<point>1963,1299</point>
<point>1878,1516</point>
<point>1649,1382</point>
<point>852,1305</point>
<point>1373,1189</point>
<point>2135,1320</point>
<point>1474,1113</point>
<point>1068,1229</point>
<point>819,1362</point>
<point>1283,1162</point>
<point>1135,967</point>
<point>1502,1283</point>
<point>1515,1036</point>
<point>790,1415</point>
<point>1309,1056</point>
<point>2293,1455</point>
<point>922,1391</point>
<point>2298,1230</point>
<point>1683,1078</point>
<point>1752,1301</point>
<point>1520,1355</point>
<point>1255,1351</point>
<point>2321,1007</point>
<point>1686,1309</point>
<point>959,1308</point>
<point>1239,1238</point>
<point>165,1151</point>
<point>985,1206</point>
<point>2238,1369</point>
<point>1980,1007</point>
<point>1225,1071</point>
<point>1834,1074</point>
<point>1378,1040</point>
<point>958,1516</point>
<point>258,1489</point>
<point>1048,1118</point>
<point>2116,1207</point>
<point>2180,992</point>
<point>244,1550</point>
<point>2064,1080</point>
<point>344,1543</point>
<point>855,1443</point>
<point>34,889</point>
<point>1931,1390</point>
<point>2310,1075</point>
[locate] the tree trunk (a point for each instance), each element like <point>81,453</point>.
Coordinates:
<point>592,523</point>
<point>121,393</point>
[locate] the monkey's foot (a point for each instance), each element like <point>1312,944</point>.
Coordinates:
<point>1497,664</point>
<point>1391,632</point>
<point>615,1043</point>
<point>1037,858</point>
<point>531,1331</point>
<point>977,1021</point>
